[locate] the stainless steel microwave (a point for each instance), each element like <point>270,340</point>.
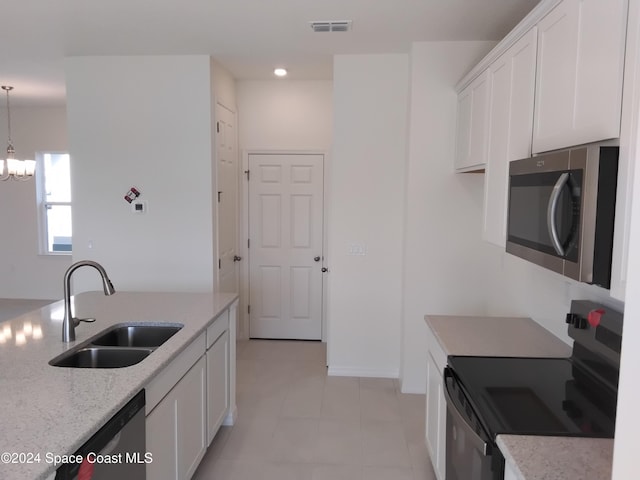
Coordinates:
<point>561,211</point>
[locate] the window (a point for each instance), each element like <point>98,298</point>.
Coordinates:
<point>54,202</point>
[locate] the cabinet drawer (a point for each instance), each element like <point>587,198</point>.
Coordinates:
<point>162,383</point>
<point>217,328</point>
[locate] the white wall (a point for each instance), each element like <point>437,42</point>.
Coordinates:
<point>625,458</point>
<point>23,272</point>
<point>224,86</point>
<point>285,115</point>
<point>523,289</point>
<point>443,263</point>
<point>142,121</point>
<point>367,207</point>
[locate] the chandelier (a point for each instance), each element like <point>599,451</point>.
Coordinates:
<point>15,169</point>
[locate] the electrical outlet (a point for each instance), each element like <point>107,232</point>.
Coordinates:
<point>357,249</point>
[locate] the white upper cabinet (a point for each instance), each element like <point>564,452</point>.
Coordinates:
<point>512,85</point>
<point>579,73</point>
<point>472,121</point>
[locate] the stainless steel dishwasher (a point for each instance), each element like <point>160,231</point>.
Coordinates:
<point>117,450</point>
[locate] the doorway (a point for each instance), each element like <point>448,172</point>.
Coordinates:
<point>227,192</point>
<point>285,246</point>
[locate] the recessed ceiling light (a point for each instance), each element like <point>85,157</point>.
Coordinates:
<point>280,72</point>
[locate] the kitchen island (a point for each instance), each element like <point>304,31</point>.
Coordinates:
<point>49,410</point>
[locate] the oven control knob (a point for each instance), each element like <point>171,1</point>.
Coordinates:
<point>576,320</point>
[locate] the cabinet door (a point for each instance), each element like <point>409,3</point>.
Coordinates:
<point>436,419</point>
<point>161,439</point>
<point>191,414</point>
<point>471,129</point>
<point>579,77</point>
<point>512,84</point>
<point>176,428</point>
<point>217,384</point>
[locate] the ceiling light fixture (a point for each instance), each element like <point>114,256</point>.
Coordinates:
<point>16,169</point>
<point>280,72</point>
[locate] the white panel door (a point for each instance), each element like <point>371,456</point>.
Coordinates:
<point>227,181</point>
<point>285,250</point>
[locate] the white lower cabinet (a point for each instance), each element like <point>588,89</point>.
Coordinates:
<point>188,401</point>
<point>176,428</point>
<point>217,383</point>
<point>436,418</point>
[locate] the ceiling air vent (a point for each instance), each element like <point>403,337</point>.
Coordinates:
<point>331,26</point>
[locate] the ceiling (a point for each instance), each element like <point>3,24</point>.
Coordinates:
<point>249,37</point>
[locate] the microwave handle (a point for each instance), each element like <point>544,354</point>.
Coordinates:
<point>551,213</point>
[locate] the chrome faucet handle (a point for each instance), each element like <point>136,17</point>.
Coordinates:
<point>87,320</point>
<point>76,321</point>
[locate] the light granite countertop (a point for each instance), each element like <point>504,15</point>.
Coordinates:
<point>557,458</point>
<point>495,336</point>
<point>46,409</point>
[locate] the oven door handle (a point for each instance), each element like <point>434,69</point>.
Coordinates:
<point>552,207</point>
<point>476,440</point>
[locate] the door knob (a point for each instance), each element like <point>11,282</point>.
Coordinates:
<point>324,269</point>
<point>236,258</point>
<point>316,259</point>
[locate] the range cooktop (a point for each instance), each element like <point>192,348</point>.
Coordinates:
<point>573,396</point>
<point>536,396</point>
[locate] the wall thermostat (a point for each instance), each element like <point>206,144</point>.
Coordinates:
<point>139,206</point>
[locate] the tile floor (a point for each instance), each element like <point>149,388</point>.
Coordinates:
<point>297,423</point>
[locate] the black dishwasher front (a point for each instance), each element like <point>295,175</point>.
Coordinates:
<point>117,450</point>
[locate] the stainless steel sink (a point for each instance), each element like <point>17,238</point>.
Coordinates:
<point>118,346</point>
<point>101,357</point>
<point>136,336</point>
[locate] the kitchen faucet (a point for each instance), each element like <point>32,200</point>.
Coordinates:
<point>70,323</point>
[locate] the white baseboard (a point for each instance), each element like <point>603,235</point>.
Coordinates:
<point>362,372</point>
<point>231,417</point>
<point>412,389</point>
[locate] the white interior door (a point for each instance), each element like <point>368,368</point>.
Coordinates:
<point>285,250</point>
<point>227,179</point>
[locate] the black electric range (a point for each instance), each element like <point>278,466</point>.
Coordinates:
<point>575,396</point>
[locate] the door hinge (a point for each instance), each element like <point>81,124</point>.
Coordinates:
<point>219,264</point>
<point>247,173</point>
<point>248,243</point>
<point>249,309</point>
<point>217,127</point>
<point>219,193</point>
